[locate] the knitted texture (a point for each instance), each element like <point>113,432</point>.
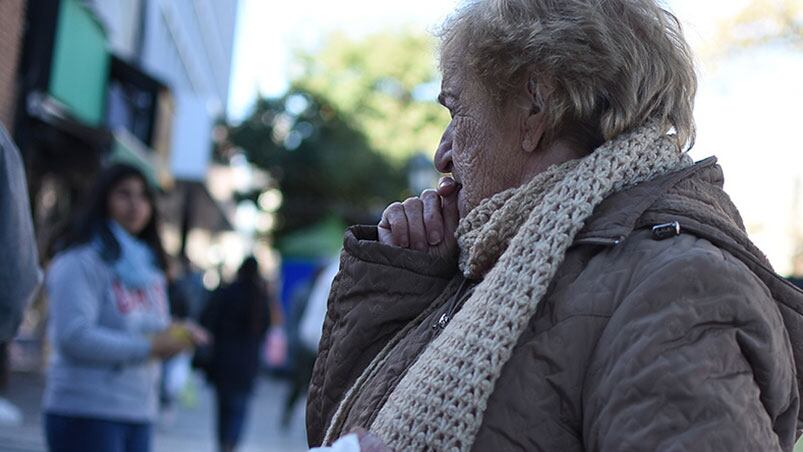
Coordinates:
<point>516,239</point>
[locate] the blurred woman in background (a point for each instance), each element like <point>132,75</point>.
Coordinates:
<point>237,316</point>
<point>110,322</point>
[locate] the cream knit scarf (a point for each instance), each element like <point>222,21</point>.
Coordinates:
<point>519,237</point>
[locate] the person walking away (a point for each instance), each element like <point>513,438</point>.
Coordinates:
<point>238,316</point>
<point>109,322</point>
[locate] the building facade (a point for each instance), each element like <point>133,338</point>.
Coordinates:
<point>188,45</point>
<point>138,81</point>
<point>12,15</point>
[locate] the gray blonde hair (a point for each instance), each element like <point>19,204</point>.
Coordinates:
<point>608,65</point>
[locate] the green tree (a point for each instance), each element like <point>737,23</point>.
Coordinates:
<point>323,166</point>
<point>384,84</point>
<point>763,22</point>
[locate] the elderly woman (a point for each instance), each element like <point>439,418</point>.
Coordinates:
<point>578,283</point>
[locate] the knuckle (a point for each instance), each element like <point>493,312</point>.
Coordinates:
<point>429,193</point>
<point>413,202</point>
<point>431,201</point>
<point>393,206</point>
<point>393,210</point>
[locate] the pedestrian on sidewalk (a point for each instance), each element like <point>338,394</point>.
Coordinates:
<point>237,316</point>
<point>109,322</point>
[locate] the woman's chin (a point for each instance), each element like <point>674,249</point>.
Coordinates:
<point>133,227</point>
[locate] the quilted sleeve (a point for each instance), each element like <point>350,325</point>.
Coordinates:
<point>695,357</point>
<point>377,291</point>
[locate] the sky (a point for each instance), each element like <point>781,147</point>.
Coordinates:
<point>747,111</point>
<point>267,31</point>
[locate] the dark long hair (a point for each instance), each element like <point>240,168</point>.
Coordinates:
<point>256,292</point>
<point>94,218</point>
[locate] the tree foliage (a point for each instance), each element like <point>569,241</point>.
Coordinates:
<point>323,166</point>
<point>763,22</point>
<point>337,142</point>
<point>384,84</point>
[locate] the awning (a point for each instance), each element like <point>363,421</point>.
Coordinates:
<point>322,240</point>
<point>50,111</point>
<point>79,70</point>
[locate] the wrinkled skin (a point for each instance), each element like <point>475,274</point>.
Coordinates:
<point>482,149</point>
<point>485,149</point>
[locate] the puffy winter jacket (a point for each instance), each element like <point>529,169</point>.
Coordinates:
<point>648,338</point>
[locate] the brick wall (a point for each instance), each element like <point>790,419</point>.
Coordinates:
<point>12,17</point>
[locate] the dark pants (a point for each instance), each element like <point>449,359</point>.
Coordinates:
<point>232,408</point>
<point>4,366</point>
<point>81,434</point>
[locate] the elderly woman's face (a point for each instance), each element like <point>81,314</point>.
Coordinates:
<point>480,147</point>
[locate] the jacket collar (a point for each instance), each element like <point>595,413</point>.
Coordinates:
<point>617,216</point>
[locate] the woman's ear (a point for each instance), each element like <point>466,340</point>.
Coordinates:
<point>534,126</point>
<point>533,133</point>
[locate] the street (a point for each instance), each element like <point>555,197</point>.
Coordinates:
<point>192,428</point>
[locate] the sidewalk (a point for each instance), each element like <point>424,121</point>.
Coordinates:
<point>192,429</point>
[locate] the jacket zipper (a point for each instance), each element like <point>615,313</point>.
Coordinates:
<point>452,307</point>
<point>602,241</point>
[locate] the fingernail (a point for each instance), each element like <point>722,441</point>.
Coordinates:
<point>434,238</point>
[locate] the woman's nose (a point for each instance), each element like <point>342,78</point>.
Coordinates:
<point>443,156</point>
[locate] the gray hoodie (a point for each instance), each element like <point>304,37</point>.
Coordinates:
<point>100,365</point>
<point>19,267</point>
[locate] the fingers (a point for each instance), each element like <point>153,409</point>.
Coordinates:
<point>447,186</point>
<point>169,342</point>
<point>414,211</point>
<point>359,431</point>
<point>422,222</point>
<point>451,216</point>
<point>198,334</point>
<point>368,441</point>
<point>385,236</point>
<point>433,220</point>
<point>372,443</point>
<point>393,226</point>
<point>447,189</point>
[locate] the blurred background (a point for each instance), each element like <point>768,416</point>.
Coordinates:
<point>269,126</point>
